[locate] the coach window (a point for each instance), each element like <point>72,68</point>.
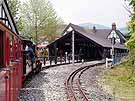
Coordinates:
<point>1,49</point>
<point>17,50</point>
<point>11,48</point>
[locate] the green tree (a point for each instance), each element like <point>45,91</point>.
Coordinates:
<point>14,6</point>
<point>131,42</point>
<point>40,20</point>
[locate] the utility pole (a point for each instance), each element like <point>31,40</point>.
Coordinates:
<point>73,47</point>
<point>113,42</point>
<point>113,50</point>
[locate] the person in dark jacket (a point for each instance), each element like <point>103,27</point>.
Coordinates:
<point>31,53</point>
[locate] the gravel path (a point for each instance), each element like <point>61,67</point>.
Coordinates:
<point>48,85</point>
<point>90,80</point>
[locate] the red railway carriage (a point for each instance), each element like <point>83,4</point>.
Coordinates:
<point>13,59</point>
<point>10,64</point>
<point>10,56</point>
<point>15,63</point>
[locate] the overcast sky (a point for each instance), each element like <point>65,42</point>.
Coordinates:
<point>94,11</point>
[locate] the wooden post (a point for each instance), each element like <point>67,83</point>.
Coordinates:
<point>44,60</point>
<point>73,47</point>
<point>66,57</point>
<point>113,61</point>
<point>55,53</point>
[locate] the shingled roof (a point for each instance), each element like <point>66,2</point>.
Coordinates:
<point>99,36</point>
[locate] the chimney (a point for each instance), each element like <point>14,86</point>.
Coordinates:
<point>113,26</point>
<point>94,29</point>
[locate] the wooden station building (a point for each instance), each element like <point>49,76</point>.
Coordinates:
<point>90,44</point>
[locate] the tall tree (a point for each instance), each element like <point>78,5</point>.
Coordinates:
<point>14,6</point>
<point>41,20</point>
<point>131,42</point>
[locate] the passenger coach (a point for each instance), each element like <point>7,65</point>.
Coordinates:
<point>15,63</point>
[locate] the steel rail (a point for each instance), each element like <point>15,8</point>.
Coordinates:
<point>70,80</point>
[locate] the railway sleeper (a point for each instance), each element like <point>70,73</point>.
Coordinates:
<point>83,89</point>
<point>86,93</point>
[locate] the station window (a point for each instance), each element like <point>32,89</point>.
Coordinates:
<point>1,49</point>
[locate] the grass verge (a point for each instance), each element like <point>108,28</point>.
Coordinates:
<point>118,82</point>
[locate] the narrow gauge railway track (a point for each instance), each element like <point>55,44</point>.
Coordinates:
<point>73,86</point>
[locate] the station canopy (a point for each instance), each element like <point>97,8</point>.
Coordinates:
<point>98,37</point>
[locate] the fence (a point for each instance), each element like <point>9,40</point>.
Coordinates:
<point>59,60</point>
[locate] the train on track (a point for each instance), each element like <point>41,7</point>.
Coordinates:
<point>15,59</point>
<point>15,63</point>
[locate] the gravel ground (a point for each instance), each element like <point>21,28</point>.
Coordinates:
<point>48,85</point>
<point>92,83</point>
